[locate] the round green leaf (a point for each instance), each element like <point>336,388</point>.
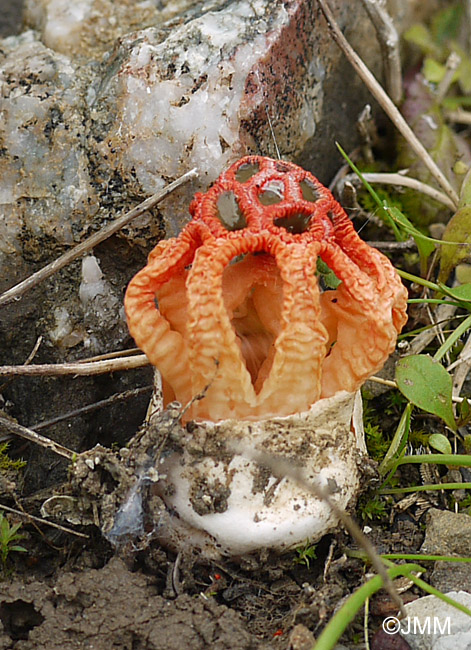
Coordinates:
<point>440,442</point>
<point>426,384</point>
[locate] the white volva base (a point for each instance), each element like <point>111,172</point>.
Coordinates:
<point>239,502</point>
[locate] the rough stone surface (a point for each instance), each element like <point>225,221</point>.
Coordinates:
<point>10,17</point>
<point>432,624</point>
<point>451,576</point>
<point>447,533</point>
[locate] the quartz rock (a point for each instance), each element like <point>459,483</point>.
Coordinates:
<point>89,27</point>
<point>432,624</point>
<point>226,80</point>
<point>46,194</point>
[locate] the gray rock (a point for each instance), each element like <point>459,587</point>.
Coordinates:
<point>10,17</point>
<point>451,576</point>
<point>447,533</point>
<point>432,624</point>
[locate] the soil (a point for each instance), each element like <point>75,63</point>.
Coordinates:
<point>114,607</point>
<point>56,600</point>
<point>71,592</point>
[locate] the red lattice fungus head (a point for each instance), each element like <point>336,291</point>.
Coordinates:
<point>240,309</point>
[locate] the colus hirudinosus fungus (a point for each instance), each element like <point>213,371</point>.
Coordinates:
<point>233,310</point>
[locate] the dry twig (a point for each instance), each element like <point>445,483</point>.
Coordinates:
<point>393,245</point>
<point>31,356</point>
<point>22,287</point>
<point>389,41</point>
<point>407,181</point>
<point>385,102</point>
<point>117,397</point>
<point>32,436</point>
<point>460,116</point>
<point>38,520</point>
<point>78,368</point>
<point>452,64</point>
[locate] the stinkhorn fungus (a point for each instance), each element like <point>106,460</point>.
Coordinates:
<point>232,309</point>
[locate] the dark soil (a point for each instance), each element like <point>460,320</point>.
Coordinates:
<point>114,607</point>
<point>70,592</point>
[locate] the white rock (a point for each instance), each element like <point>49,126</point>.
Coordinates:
<point>432,624</point>
<point>102,307</point>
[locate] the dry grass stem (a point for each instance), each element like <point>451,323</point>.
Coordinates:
<point>438,326</point>
<point>443,313</point>
<point>413,183</point>
<point>384,382</point>
<point>463,366</point>
<point>389,42</point>
<point>38,520</point>
<point>452,64</point>
<point>32,354</point>
<point>77,368</point>
<point>32,436</point>
<point>22,287</point>
<point>366,128</point>
<point>460,116</point>
<point>117,354</point>
<point>385,102</point>
<point>393,245</point>
<point>117,397</point>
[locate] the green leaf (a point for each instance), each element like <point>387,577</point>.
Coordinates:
<point>419,35</point>
<point>462,293</point>
<point>426,384</point>
<point>330,279</point>
<point>458,230</point>
<point>409,227</point>
<point>440,442</point>
<point>445,24</point>
<point>19,549</point>
<point>398,443</point>
<point>14,529</point>
<point>464,412</point>
<point>433,70</point>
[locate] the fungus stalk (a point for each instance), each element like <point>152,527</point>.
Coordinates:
<point>234,309</point>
